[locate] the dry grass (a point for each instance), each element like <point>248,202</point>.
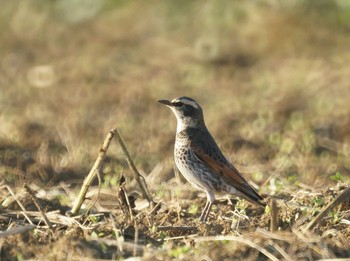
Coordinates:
<point>272,79</point>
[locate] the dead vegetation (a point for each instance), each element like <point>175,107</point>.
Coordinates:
<point>273,82</point>
<point>287,229</point>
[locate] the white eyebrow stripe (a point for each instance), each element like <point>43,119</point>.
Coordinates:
<point>188,102</point>
<point>192,103</point>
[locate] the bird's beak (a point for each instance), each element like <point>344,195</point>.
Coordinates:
<point>166,102</point>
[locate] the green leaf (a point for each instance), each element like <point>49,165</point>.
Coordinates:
<point>337,177</point>
<point>193,209</point>
<point>177,252</point>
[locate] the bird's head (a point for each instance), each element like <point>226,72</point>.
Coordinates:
<point>187,111</point>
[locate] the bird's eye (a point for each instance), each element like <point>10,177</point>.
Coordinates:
<point>178,104</point>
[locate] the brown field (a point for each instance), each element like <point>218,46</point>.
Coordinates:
<point>273,78</point>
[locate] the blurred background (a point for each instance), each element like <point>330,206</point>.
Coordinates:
<point>271,76</point>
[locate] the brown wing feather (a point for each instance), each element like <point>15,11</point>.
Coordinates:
<point>230,174</point>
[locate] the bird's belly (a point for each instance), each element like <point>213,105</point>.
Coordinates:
<point>189,174</point>
<point>195,172</point>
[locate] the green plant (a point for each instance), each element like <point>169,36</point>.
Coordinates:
<point>317,201</point>
<point>335,216</point>
<point>193,209</point>
<point>178,251</point>
<point>94,219</point>
<point>337,177</point>
<point>97,234</point>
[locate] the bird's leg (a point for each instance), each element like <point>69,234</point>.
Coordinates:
<point>206,210</point>
<point>205,213</point>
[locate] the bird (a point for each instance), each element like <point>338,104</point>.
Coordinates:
<point>200,160</point>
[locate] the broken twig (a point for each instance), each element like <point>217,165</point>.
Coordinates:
<point>274,215</point>
<point>16,230</point>
<point>92,173</point>
<point>37,204</point>
<point>101,155</point>
<point>138,177</point>
<point>19,204</point>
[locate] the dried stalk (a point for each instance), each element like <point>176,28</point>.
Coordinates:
<point>177,228</point>
<point>136,238</point>
<point>282,252</point>
<point>138,177</point>
<point>16,230</point>
<point>101,155</point>
<point>123,198</point>
<point>19,204</point>
<point>37,204</point>
<point>98,191</point>
<point>274,215</point>
<point>53,216</point>
<point>282,236</point>
<point>340,198</point>
<point>241,240</point>
<point>92,173</point>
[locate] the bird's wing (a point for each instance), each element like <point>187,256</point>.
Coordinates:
<point>229,173</point>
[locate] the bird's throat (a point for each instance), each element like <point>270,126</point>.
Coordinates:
<point>186,122</point>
